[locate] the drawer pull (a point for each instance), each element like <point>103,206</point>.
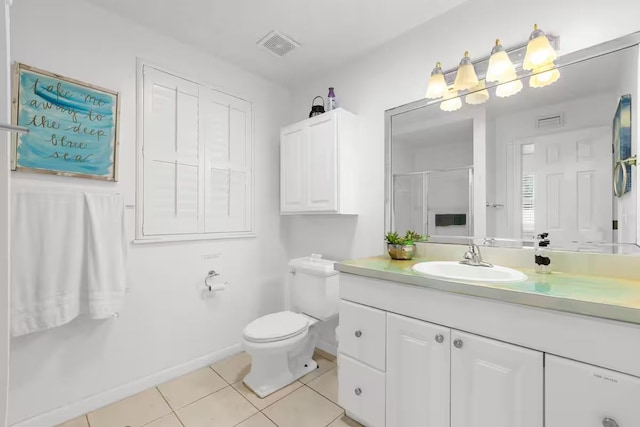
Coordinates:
<point>358,334</point>
<point>439,338</point>
<point>609,422</point>
<point>457,343</point>
<point>358,392</point>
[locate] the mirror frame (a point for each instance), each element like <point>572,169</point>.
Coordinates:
<point>565,60</point>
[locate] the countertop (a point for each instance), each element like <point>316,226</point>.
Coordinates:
<point>609,298</point>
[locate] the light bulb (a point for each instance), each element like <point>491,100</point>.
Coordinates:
<point>466,77</point>
<point>539,50</point>
<point>437,84</point>
<point>500,65</point>
<point>452,101</point>
<point>544,76</point>
<point>479,94</point>
<point>505,90</point>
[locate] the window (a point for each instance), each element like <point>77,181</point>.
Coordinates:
<point>195,160</point>
<point>528,205</point>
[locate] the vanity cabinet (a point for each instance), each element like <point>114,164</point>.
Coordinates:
<point>433,358</point>
<point>433,376</point>
<point>318,165</point>
<point>578,394</point>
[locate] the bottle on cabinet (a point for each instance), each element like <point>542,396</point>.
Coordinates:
<point>543,254</point>
<point>331,100</point>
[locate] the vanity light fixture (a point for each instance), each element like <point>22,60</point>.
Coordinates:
<point>437,84</point>
<point>452,101</point>
<point>466,77</point>
<point>479,94</point>
<point>539,50</point>
<point>500,65</point>
<point>509,88</point>
<point>544,76</point>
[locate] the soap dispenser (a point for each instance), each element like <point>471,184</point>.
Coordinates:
<point>543,254</point>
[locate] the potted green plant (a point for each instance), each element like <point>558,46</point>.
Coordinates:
<point>403,247</point>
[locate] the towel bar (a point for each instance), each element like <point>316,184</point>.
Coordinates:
<point>12,128</point>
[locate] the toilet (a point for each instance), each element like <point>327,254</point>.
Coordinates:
<point>281,344</point>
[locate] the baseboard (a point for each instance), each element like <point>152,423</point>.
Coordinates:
<point>76,409</point>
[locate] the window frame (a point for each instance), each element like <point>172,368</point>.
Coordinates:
<point>140,237</point>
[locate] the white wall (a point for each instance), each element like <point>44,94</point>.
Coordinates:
<point>5,117</point>
<point>165,328</point>
<point>397,73</point>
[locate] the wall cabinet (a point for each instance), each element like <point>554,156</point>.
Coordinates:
<point>318,165</point>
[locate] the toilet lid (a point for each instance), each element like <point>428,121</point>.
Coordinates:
<point>276,327</point>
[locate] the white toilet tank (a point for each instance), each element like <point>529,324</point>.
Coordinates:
<point>313,287</point>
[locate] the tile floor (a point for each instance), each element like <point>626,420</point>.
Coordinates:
<point>215,396</point>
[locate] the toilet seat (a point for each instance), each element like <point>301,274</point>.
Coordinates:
<point>276,327</point>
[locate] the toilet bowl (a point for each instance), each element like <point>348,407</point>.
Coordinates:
<point>281,344</point>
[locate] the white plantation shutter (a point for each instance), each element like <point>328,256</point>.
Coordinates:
<point>228,162</point>
<point>197,159</point>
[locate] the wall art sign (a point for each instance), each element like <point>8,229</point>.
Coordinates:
<point>622,147</point>
<point>73,126</point>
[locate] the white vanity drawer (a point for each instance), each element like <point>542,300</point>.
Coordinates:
<point>362,333</point>
<point>577,394</point>
<point>361,391</point>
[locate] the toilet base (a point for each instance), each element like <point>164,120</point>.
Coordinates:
<point>278,364</point>
<point>263,390</point>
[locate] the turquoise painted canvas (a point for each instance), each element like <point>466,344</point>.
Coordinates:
<point>73,126</point>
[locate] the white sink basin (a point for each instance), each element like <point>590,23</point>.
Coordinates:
<point>452,270</point>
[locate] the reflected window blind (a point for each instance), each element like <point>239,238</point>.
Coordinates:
<point>528,204</point>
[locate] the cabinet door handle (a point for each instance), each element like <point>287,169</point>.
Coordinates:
<point>457,343</point>
<point>609,422</point>
<point>358,391</point>
<point>358,334</point>
<point>439,338</point>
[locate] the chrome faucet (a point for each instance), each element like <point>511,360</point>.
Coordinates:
<point>473,257</point>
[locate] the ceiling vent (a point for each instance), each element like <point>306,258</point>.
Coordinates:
<point>550,121</point>
<point>278,43</point>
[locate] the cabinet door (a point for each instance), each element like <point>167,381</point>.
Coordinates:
<point>495,384</point>
<point>293,155</point>
<point>577,394</point>
<point>322,169</point>
<point>417,373</point>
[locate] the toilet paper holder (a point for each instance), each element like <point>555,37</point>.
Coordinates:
<point>208,282</point>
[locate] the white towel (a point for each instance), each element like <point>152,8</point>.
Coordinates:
<point>64,258</point>
<point>106,254</point>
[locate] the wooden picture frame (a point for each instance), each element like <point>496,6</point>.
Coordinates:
<point>73,126</point>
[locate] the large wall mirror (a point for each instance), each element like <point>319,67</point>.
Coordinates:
<point>557,159</point>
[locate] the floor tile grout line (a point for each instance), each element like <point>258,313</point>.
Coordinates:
<point>170,407</point>
<point>220,375</point>
<point>324,397</point>
<point>336,418</point>
<point>178,418</point>
<point>86,417</point>
<point>268,417</point>
<point>278,400</point>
